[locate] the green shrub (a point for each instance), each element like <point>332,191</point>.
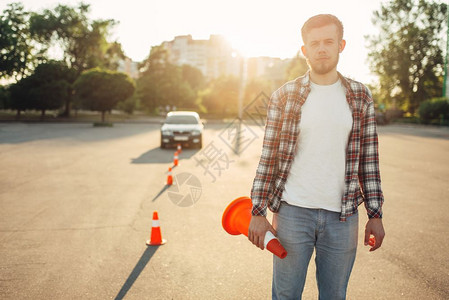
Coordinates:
<point>434,111</point>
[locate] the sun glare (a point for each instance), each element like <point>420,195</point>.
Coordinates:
<point>240,46</point>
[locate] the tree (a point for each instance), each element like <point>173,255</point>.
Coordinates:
<point>4,98</point>
<point>47,88</point>
<point>165,87</point>
<point>83,42</point>
<point>222,95</point>
<point>407,53</point>
<point>162,83</point>
<point>20,95</point>
<point>254,88</point>
<point>112,56</point>
<point>101,90</point>
<point>297,67</point>
<point>129,105</point>
<point>51,85</point>
<point>15,48</point>
<point>193,76</point>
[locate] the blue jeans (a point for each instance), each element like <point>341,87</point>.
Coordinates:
<point>300,231</point>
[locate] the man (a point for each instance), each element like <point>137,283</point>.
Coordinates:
<point>319,162</point>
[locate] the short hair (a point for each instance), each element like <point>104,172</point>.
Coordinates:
<point>320,21</point>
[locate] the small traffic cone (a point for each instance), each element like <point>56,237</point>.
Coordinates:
<point>175,159</point>
<point>156,236</point>
<point>236,220</point>
<point>179,148</point>
<point>169,177</point>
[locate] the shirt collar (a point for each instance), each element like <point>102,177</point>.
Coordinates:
<point>305,80</point>
<point>305,87</point>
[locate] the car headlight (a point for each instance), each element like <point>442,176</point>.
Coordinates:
<point>196,132</point>
<point>167,132</point>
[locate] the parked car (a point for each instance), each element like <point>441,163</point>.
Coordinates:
<point>182,127</point>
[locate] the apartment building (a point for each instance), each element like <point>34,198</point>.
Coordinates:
<point>214,57</point>
<point>129,67</point>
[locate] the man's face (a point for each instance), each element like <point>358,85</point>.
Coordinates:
<point>322,48</point>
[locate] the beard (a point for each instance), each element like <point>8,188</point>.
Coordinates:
<point>323,67</point>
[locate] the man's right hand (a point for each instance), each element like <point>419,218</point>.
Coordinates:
<point>258,227</point>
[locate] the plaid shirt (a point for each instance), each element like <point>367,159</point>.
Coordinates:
<point>362,176</point>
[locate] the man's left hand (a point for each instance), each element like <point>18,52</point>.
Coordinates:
<point>374,227</point>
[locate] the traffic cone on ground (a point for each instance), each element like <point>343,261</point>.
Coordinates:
<point>156,236</point>
<point>169,177</point>
<point>236,220</point>
<point>175,159</point>
<point>179,148</point>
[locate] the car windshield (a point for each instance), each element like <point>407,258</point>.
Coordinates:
<point>181,120</point>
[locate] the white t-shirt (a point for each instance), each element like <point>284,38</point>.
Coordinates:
<point>317,175</point>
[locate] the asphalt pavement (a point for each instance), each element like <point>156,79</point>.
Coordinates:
<point>77,203</point>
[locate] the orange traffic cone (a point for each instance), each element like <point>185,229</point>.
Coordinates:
<point>236,220</point>
<point>179,148</point>
<point>156,236</point>
<point>175,159</point>
<point>169,177</point>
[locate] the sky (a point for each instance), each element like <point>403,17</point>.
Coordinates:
<point>255,28</point>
